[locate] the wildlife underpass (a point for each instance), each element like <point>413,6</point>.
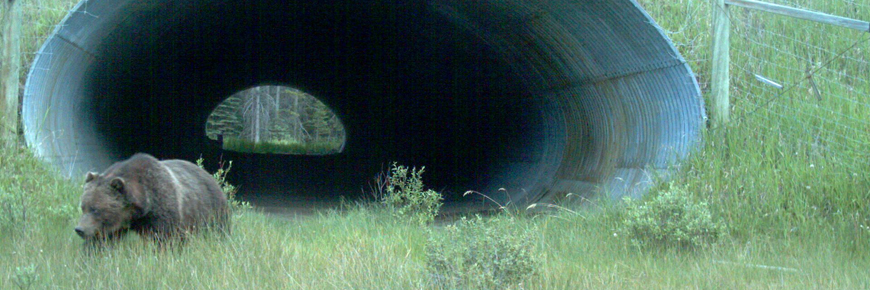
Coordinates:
<point>539,98</point>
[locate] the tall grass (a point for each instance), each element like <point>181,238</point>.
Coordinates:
<point>367,248</point>
<point>584,251</point>
<point>355,250</point>
<point>791,162</point>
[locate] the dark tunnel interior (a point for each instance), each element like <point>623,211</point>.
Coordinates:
<point>539,98</point>
<point>408,86</point>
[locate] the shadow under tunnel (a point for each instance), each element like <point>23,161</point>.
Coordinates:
<point>541,98</point>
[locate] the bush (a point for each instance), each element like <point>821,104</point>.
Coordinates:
<point>237,206</point>
<point>481,254</point>
<point>671,219</point>
<point>407,198</point>
<point>13,209</point>
<point>25,277</point>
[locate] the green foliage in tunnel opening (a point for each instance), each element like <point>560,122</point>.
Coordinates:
<point>407,198</point>
<point>482,253</point>
<point>671,218</point>
<point>276,120</point>
<point>285,146</point>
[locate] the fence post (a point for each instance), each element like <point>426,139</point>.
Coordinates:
<point>10,66</point>
<point>719,77</point>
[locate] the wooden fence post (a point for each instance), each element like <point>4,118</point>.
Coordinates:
<point>720,82</point>
<point>10,67</point>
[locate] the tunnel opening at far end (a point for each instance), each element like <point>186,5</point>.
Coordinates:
<point>525,101</point>
<point>272,119</point>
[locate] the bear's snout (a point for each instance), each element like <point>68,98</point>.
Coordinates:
<point>86,228</point>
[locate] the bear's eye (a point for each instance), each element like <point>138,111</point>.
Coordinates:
<point>94,211</point>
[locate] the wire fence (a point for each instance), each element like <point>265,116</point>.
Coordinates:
<point>805,82</point>
<point>39,19</point>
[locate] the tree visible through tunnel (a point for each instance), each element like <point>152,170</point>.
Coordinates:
<point>276,120</point>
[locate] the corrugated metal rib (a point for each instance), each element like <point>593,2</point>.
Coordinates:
<point>627,99</point>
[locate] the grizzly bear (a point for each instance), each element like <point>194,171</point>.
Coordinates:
<point>157,199</point>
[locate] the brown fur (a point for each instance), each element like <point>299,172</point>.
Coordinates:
<point>157,199</point>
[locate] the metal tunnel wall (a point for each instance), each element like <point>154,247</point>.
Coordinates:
<point>539,97</point>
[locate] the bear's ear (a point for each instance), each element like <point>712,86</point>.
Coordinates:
<point>90,176</point>
<point>117,183</point>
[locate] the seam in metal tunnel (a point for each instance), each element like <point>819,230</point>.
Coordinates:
<point>538,97</point>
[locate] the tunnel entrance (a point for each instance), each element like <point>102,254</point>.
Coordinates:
<point>275,120</point>
<point>541,98</point>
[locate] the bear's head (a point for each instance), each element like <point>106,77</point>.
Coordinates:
<point>108,207</point>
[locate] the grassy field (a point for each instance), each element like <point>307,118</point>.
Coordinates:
<point>797,217</point>
<point>363,247</point>
<point>283,147</point>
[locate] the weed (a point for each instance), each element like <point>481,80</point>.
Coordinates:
<point>501,206</point>
<point>220,175</point>
<point>25,277</point>
<point>481,253</point>
<point>377,186</point>
<point>671,219</point>
<point>407,198</point>
<point>13,210</point>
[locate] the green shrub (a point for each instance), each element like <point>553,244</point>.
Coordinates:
<point>481,254</point>
<point>237,206</point>
<point>13,209</point>
<point>25,277</point>
<point>407,198</point>
<point>671,219</point>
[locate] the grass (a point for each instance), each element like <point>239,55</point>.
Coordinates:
<point>354,250</point>
<point>283,147</point>
<point>792,160</point>
<point>582,251</point>
<point>789,179</point>
<point>364,247</point>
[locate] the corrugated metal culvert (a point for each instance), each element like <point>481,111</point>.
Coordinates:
<point>541,98</point>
